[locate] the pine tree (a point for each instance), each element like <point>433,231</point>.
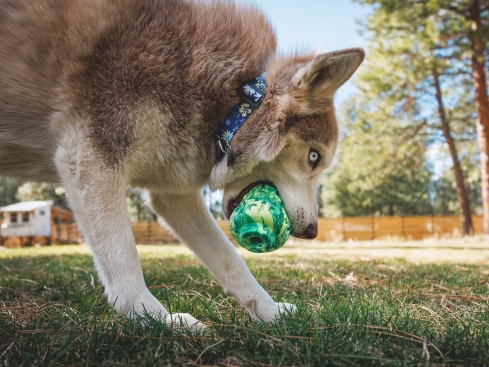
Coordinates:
<point>427,41</point>
<point>8,189</point>
<point>379,169</point>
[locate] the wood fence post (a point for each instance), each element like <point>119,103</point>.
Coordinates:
<point>148,232</point>
<point>343,227</point>
<point>373,226</point>
<point>402,227</point>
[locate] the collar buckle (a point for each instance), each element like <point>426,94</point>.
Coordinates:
<point>223,144</point>
<point>251,94</point>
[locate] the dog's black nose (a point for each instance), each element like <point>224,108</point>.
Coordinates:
<point>311,231</point>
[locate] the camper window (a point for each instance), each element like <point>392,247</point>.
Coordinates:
<point>25,217</point>
<point>13,217</point>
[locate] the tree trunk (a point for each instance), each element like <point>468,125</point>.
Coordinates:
<point>481,106</point>
<point>462,194</point>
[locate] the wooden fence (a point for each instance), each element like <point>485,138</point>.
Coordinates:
<point>341,229</point>
<point>65,233</point>
<point>153,232</point>
<point>344,229</point>
<point>412,227</point>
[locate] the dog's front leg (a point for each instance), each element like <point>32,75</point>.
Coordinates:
<point>97,195</point>
<point>192,222</point>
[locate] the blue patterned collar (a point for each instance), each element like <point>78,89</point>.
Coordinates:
<point>251,96</point>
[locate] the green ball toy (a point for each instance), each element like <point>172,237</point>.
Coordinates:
<point>259,223</point>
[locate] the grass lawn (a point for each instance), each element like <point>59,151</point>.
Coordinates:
<point>374,303</point>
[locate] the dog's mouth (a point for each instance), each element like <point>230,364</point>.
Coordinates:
<point>233,203</point>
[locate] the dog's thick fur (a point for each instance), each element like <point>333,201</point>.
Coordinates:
<point>102,94</point>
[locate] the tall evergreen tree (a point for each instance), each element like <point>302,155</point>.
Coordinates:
<point>8,189</point>
<point>42,191</point>
<point>380,169</point>
<point>419,39</point>
<point>453,33</point>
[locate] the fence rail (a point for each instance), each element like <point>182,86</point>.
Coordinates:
<point>341,229</point>
<point>344,229</point>
<point>412,227</point>
<point>153,232</point>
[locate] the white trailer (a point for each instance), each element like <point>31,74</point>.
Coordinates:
<point>27,221</point>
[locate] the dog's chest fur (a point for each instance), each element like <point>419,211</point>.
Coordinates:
<point>150,80</point>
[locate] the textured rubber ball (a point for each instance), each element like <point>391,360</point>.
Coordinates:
<point>259,223</point>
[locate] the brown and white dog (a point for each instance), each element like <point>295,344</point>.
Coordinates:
<point>102,94</point>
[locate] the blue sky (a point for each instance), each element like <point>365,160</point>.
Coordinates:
<point>325,24</point>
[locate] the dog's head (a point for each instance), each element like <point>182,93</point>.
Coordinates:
<point>291,138</point>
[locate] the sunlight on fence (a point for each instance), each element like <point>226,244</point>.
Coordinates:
<point>344,229</point>
<point>415,227</point>
<point>330,230</point>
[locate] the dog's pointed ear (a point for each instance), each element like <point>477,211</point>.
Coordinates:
<point>313,85</point>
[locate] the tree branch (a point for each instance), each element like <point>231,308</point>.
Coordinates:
<point>465,13</point>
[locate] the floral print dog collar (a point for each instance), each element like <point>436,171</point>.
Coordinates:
<point>251,96</point>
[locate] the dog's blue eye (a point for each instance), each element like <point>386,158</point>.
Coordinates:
<point>314,156</point>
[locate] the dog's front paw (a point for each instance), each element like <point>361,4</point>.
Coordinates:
<point>144,306</point>
<point>270,312</point>
<point>184,321</point>
<point>139,304</point>
<point>286,309</point>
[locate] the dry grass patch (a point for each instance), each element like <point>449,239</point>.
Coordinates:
<point>365,303</point>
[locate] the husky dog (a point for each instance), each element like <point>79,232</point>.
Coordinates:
<point>102,94</point>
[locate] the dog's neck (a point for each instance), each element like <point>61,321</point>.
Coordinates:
<point>251,96</point>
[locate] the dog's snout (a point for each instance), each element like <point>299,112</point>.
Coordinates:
<point>312,231</point>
